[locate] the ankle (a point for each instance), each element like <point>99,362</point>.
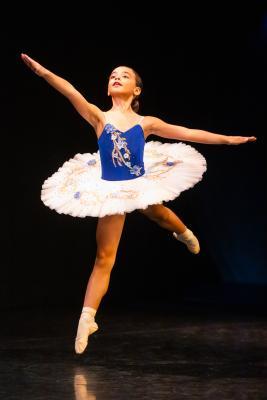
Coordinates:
<point>185,233</point>
<point>88,314</point>
<point>89,310</point>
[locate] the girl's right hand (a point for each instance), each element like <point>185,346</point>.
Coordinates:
<point>33,65</point>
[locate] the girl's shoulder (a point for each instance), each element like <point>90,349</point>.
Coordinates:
<point>148,121</point>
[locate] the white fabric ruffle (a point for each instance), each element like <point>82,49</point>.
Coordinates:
<point>78,190</point>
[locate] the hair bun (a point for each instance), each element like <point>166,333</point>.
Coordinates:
<point>135,105</point>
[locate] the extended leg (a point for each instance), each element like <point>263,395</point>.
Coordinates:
<point>167,219</point>
<point>164,217</point>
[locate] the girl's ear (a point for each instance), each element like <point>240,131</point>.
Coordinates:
<point>137,91</point>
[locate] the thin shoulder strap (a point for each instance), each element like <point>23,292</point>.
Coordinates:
<point>140,120</point>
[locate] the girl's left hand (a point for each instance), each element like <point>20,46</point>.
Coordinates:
<point>240,139</point>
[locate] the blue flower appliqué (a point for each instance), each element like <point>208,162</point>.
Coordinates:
<point>91,162</point>
<point>136,170</point>
<point>109,128</point>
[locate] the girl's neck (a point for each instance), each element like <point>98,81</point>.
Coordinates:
<point>121,106</point>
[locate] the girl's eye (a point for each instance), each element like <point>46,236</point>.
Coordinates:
<point>114,76</point>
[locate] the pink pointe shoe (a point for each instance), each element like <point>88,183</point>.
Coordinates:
<point>86,327</point>
<point>189,239</point>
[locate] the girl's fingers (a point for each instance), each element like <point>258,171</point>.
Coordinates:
<point>30,62</point>
<point>24,57</point>
<point>29,58</point>
<point>242,139</point>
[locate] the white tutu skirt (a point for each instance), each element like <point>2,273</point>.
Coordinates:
<point>78,190</point>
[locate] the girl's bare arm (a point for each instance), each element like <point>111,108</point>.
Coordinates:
<point>160,128</point>
<point>88,111</point>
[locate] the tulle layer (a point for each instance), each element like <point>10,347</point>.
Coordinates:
<point>78,190</point>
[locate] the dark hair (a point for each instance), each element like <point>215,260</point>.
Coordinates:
<point>139,83</point>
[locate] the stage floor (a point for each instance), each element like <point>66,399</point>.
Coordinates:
<point>137,353</point>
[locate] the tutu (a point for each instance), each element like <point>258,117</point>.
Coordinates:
<point>77,188</point>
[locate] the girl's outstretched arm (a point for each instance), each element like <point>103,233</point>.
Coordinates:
<point>169,131</point>
<point>88,111</point>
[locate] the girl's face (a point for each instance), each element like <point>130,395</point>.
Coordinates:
<point>122,81</point>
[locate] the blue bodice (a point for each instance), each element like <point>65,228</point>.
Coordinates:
<point>121,153</point>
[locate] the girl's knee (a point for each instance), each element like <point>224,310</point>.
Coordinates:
<point>105,260</point>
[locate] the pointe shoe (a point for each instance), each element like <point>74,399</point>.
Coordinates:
<point>189,239</point>
<point>81,341</point>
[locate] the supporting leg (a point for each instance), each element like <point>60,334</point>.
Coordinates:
<point>108,234</point>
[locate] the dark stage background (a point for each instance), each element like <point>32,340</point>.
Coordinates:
<point>206,72</point>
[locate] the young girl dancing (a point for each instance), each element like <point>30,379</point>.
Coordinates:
<point>125,174</point>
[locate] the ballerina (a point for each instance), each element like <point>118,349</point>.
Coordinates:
<point>124,175</point>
